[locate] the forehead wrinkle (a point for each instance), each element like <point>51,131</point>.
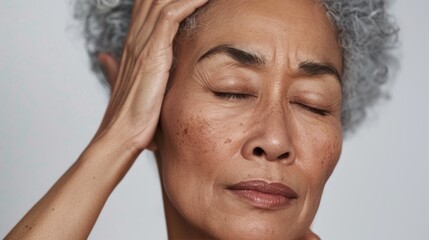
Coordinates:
<point>280,50</point>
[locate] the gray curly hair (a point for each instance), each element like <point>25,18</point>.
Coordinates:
<point>367,34</point>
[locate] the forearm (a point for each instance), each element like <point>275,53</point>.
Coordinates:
<point>70,208</point>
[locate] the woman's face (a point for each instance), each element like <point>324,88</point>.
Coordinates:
<point>250,127</point>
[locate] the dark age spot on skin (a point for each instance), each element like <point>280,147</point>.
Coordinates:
<point>228,141</point>
<point>197,130</point>
<point>53,209</point>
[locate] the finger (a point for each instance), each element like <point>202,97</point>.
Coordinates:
<point>146,16</point>
<point>149,80</point>
<point>157,59</point>
<point>145,26</point>
<point>141,9</point>
<point>169,20</point>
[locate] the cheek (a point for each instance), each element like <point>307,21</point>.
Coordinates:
<point>321,154</point>
<point>317,157</point>
<point>194,145</point>
<point>195,131</point>
<point>186,140</point>
<point>332,152</point>
<point>191,139</point>
<point>192,133</point>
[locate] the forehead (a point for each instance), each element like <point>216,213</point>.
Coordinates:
<point>295,29</point>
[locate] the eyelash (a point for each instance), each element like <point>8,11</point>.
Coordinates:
<point>229,96</point>
<point>317,111</point>
<point>240,96</point>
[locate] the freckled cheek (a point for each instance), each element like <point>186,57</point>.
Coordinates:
<point>193,138</point>
<point>197,134</point>
<point>333,155</point>
<point>325,152</point>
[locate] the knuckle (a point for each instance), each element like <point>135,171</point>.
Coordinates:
<point>168,14</point>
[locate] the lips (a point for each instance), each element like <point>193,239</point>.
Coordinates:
<point>264,195</point>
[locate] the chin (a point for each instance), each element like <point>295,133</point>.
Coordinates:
<point>262,225</point>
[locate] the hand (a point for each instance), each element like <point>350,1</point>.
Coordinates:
<point>72,205</point>
<point>139,84</point>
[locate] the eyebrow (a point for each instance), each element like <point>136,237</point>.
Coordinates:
<point>315,68</point>
<point>307,68</point>
<point>242,56</point>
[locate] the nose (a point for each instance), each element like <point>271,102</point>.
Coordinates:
<point>270,138</point>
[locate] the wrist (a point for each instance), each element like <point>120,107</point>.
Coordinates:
<point>111,154</point>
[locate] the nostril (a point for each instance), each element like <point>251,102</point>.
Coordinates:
<point>258,151</point>
<point>283,156</point>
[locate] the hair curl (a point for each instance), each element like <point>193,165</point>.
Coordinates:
<point>366,32</point>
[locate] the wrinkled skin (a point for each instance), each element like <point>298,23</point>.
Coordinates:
<point>207,137</point>
<point>221,121</point>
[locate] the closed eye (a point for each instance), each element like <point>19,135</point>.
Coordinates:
<point>228,96</point>
<point>318,111</point>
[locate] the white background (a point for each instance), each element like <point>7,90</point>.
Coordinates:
<point>51,105</point>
